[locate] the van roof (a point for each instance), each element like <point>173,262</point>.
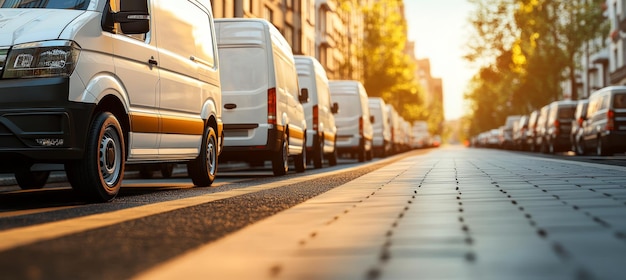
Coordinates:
<point>345,86</point>
<point>249,31</point>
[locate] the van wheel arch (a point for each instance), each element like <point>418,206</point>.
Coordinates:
<point>113,105</point>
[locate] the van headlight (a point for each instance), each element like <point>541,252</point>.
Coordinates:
<point>41,59</point>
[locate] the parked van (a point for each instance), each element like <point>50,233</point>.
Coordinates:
<point>382,130</point>
<point>354,124</point>
<point>319,111</point>
<point>396,129</point>
<point>605,127</point>
<point>559,125</point>
<point>420,137</point>
<point>90,86</point>
<point>263,115</point>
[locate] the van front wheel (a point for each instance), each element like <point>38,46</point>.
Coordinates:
<point>202,170</point>
<point>98,175</point>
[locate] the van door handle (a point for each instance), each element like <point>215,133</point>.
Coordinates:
<point>152,61</point>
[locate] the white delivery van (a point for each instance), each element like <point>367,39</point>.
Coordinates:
<point>382,130</point>
<point>263,115</point>
<point>396,130</point>
<point>319,112</point>
<point>90,86</point>
<point>354,124</point>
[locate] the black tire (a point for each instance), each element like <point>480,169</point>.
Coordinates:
<point>332,157</point>
<point>280,159</point>
<point>167,169</point>
<point>318,152</point>
<point>580,148</point>
<point>31,180</point>
<point>98,175</point>
<point>145,172</point>
<point>300,160</point>
<point>360,154</point>
<point>600,149</point>
<point>203,169</point>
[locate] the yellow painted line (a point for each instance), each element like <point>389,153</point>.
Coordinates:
<point>27,235</point>
<point>33,211</point>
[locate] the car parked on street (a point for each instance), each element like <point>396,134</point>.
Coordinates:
<point>540,130</point>
<point>531,132</point>
<point>605,127</point>
<point>576,133</point>
<point>559,125</point>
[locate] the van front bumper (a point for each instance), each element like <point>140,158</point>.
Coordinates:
<point>38,124</point>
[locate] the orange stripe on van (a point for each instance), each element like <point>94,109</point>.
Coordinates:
<point>296,134</point>
<point>329,137</point>
<point>178,125</point>
<point>143,122</point>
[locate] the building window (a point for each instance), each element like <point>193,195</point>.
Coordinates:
<point>247,5</point>
<point>289,34</point>
<point>268,14</point>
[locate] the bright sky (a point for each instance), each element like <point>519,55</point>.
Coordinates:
<point>439,29</point>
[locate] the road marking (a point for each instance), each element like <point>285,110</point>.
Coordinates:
<point>33,211</point>
<point>13,238</point>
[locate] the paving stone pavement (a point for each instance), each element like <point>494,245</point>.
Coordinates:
<point>453,213</point>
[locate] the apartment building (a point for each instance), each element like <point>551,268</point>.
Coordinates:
<point>617,59</point>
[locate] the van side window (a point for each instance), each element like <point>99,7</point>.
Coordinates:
<point>115,7</point>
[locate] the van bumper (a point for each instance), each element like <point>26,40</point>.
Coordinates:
<point>275,135</point>
<point>615,140</point>
<point>38,124</point>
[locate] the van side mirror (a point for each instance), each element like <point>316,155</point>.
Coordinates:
<point>304,95</point>
<point>372,119</point>
<point>335,108</point>
<point>133,16</point>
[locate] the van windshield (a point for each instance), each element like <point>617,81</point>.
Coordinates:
<point>55,4</point>
<point>243,68</point>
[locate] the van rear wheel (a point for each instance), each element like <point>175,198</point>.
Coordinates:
<point>98,175</point>
<point>280,160</point>
<point>318,152</point>
<point>202,170</point>
<point>332,157</point>
<point>300,160</point>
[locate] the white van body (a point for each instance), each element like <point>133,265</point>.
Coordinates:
<point>354,126</point>
<point>420,137</point>
<point>381,127</point>
<point>394,122</point>
<point>319,111</point>
<point>263,116</point>
<point>93,98</point>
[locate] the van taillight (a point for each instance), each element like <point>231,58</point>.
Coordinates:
<point>610,120</point>
<point>315,117</point>
<point>580,121</point>
<point>271,106</point>
<point>361,126</point>
<point>557,125</point>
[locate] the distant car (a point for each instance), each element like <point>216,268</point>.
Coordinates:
<point>605,127</point>
<point>540,129</point>
<point>519,133</point>
<point>531,132</point>
<point>507,131</point>
<point>559,125</point>
<point>576,132</point>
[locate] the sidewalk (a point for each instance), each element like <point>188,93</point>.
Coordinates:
<point>451,214</point>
